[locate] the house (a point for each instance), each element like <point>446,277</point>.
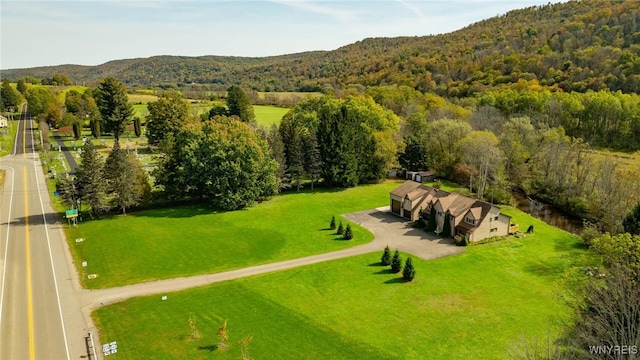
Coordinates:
<point>467,217</point>
<point>4,122</point>
<point>421,176</point>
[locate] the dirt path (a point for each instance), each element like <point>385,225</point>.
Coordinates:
<point>387,229</point>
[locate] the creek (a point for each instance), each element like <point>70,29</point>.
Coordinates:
<point>547,213</point>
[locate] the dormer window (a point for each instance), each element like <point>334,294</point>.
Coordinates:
<point>470,220</point>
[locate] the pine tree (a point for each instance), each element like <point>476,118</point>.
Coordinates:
<point>113,104</point>
<point>386,256</point>
<point>137,127</point>
<point>446,228</point>
<point>431,224</point>
<point>276,149</point>
<point>90,177</point>
<point>239,104</point>
<point>348,233</point>
<point>340,229</point>
<point>396,262</point>
<point>121,179</point>
<point>95,128</point>
<point>77,130</point>
<point>332,226</point>
<point>409,272</point>
<point>313,162</point>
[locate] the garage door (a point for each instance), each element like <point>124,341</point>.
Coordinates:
<point>395,206</point>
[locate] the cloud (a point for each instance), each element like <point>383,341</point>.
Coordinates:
<point>341,15</point>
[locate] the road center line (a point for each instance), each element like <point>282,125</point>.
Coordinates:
<point>29,286</point>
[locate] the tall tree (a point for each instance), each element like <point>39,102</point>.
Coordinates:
<point>21,87</point>
<point>39,100</point>
<point>221,161</point>
<point>276,149</point>
<point>167,115</point>
<point>114,107</point>
<point>312,160</point>
<point>120,174</point>
<point>90,178</point>
<point>239,104</point>
<point>9,97</point>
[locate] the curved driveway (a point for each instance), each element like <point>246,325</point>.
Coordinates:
<point>387,228</point>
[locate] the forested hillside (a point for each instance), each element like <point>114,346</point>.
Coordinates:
<point>573,46</point>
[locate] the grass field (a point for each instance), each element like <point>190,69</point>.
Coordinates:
<point>476,305</point>
<point>7,137</point>
<point>268,115</point>
<point>182,241</point>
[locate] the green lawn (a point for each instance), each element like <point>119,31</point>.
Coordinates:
<point>268,115</point>
<point>189,240</point>
<point>474,305</point>
<point>7,138</point>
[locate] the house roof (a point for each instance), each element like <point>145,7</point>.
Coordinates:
<point>466,227</point>
<point>455,204</point>
<point>405,188</point>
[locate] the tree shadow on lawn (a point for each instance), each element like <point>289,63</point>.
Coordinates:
<point>384,272</point>
<point>209,348</point>
<point>397,280</point>
<point>378,263</point>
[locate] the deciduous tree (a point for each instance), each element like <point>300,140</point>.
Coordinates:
<point>167,115</point>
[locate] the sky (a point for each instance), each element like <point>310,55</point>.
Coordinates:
<point>88,32</point>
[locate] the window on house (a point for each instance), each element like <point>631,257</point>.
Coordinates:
<point>471,221</point>
<point>493,230</point>
<point>407,203</point>
<point>439,213</point>
<point>495,218</point>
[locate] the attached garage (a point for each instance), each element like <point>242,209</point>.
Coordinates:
<point>396,205</point>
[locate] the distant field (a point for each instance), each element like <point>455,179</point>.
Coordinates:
<point>475,305</point>
<point>191,240</point>
<point>268,115</point>
<point>141,98</point>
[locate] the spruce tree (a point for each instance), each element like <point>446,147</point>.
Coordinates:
<point>137,127</point>
<point>90,178</point>
<point>396,262</point>
<point>386,256</point>
<point>340,229</point>
<point>113,104</point>
<point>431,224</point>
<point>348,233</point>
<point>409,272</point>
<point>95,128</point>
<point>332,226</point>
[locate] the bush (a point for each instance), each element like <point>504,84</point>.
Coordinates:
<point>386,256</point>
<point>396,262</point>
<point>340,229</point>
<point>409,272</point>
<point>332,226</point>
<point>348,233</point>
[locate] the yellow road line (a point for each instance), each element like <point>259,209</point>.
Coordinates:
<point>32,346</point>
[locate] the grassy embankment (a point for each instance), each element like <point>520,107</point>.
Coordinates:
<point>189,240</point>
<point>7,137</point>
<point>473,305</point>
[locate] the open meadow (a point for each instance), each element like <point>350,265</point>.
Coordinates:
<point>189,240</point>
<point>476,305</point>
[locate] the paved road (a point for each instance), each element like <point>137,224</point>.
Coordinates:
<point>43,316</point>
<point>34,322</point>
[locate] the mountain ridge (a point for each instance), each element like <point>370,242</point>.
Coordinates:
<point>572,46</point>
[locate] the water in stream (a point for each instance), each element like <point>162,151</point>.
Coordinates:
<point>549,214</point>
